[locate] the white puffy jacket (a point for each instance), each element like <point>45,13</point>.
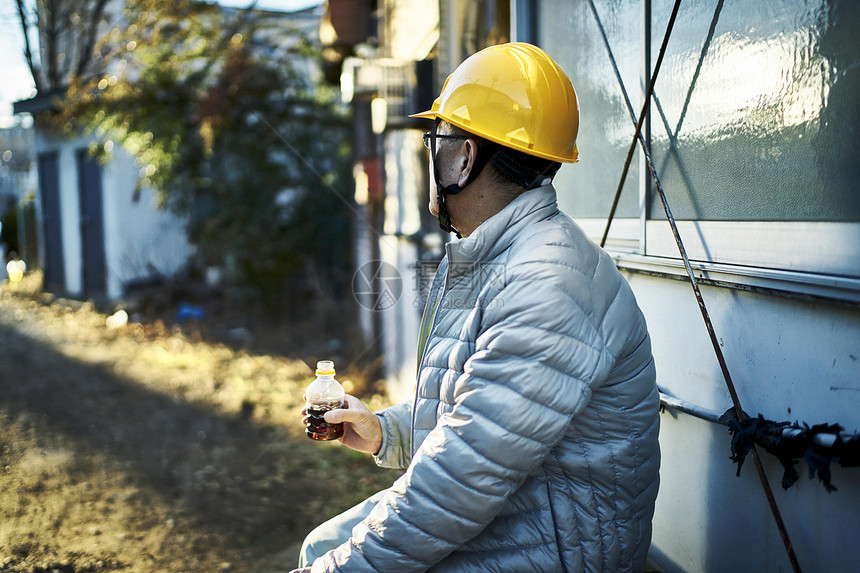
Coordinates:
<point>531,445</point>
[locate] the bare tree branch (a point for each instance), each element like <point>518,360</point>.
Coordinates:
<point>49,29</point>
<point>90,33</point>
<point>28,51</point>
<point>66,33</point>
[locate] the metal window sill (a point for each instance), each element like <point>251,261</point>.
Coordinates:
<point>794,284</point>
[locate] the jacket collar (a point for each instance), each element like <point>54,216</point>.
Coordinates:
<point>497,233</point>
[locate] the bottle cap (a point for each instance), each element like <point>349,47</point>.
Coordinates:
<point>325,368</point>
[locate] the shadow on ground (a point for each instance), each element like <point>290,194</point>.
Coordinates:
<point>101,472</point>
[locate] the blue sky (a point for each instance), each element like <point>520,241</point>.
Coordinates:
<point>15,80</point>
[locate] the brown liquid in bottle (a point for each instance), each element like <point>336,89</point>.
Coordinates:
<point>324,394</point>
<point>317,428</point>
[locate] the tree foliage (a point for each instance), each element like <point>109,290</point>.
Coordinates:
<point>220,110</point>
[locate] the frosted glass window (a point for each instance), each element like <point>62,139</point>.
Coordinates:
<point>569,32</point>
<point>755,115</point>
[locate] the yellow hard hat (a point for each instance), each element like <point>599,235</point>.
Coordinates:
<point>514,95</point>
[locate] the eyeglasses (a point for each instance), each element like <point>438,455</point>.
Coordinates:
<point>428,135</point>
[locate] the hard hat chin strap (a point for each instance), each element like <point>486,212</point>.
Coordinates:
<point>442,206</point>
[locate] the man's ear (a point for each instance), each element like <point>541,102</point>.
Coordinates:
<point>466,160</point>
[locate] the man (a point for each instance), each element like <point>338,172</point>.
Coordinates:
<point>531,441</point>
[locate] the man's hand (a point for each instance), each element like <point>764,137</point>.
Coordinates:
<point>361,428</point>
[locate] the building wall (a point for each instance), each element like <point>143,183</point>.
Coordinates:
<point>790,360</point>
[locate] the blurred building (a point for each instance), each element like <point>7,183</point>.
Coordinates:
<point>96,232</point>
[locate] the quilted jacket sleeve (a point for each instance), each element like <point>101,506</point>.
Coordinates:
<point>536,355</point>
<point>396,433</point>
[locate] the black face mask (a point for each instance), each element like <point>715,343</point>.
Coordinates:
<point>484,153</point>
<point>442,191</point>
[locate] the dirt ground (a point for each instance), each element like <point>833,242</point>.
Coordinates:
<point>154,448</point>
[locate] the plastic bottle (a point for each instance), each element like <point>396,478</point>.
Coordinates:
<point>324,394</point>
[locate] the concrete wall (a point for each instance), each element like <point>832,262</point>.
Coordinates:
<point>791,360</point>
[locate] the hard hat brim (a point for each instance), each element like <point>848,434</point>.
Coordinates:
<point>429,114</point>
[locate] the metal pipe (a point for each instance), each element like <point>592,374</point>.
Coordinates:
<point>673,403</point>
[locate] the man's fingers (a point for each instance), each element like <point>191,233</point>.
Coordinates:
<point>340,415</point>
<point>353,411</point>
